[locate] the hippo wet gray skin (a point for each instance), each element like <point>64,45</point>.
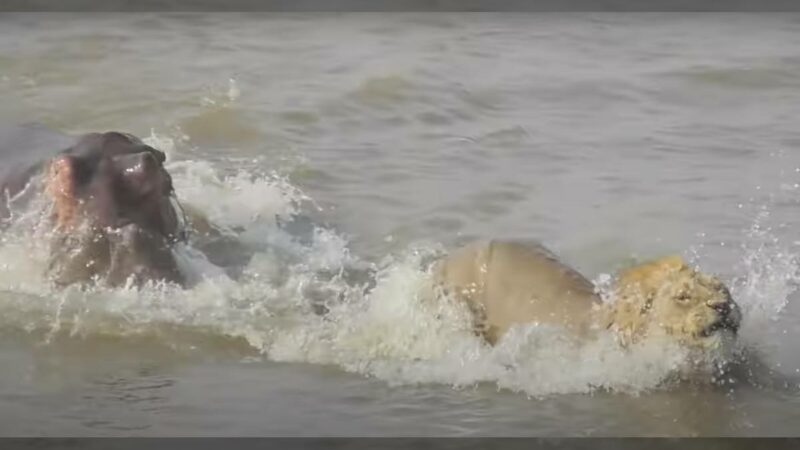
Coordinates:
<point>112,210</point>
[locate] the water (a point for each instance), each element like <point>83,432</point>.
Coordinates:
<point>396,137</point>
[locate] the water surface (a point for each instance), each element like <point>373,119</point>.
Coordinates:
<point>610,137</point>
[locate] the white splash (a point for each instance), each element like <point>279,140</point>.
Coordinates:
<point>295,301</point>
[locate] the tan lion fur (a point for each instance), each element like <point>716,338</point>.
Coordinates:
<point>506,283</point>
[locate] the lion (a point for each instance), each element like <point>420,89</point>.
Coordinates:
<point>506,283</point>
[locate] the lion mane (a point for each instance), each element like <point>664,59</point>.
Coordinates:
<point>668,296</point>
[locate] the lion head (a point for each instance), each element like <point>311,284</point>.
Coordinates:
<point>668,296</point>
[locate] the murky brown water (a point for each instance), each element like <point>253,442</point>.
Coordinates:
<point>608,137</point>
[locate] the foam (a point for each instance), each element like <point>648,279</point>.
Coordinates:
<point>295,302</point>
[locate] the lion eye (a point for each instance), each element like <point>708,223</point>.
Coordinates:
<point>683,297</point>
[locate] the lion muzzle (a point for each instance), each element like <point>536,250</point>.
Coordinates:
<point>729,317</point>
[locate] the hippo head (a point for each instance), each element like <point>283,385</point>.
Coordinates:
<point>113,212</point>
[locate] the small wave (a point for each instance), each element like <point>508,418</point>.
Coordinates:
<point>778,76</point>
<point>220,125</point>
<point>384,90</point>
<point>221,120</point>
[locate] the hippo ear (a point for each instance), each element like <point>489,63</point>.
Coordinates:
<point>160,156</point>
<point>61,175</point>
<point>60,185</point>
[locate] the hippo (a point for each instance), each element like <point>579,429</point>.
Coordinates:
<point>113,211</point>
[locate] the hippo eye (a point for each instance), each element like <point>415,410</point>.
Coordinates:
<point>141,174</point>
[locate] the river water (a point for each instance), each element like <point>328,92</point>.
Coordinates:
<point>390,139</point>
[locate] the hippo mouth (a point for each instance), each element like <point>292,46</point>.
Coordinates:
<point>115,254</point>
<point>139,253</point>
